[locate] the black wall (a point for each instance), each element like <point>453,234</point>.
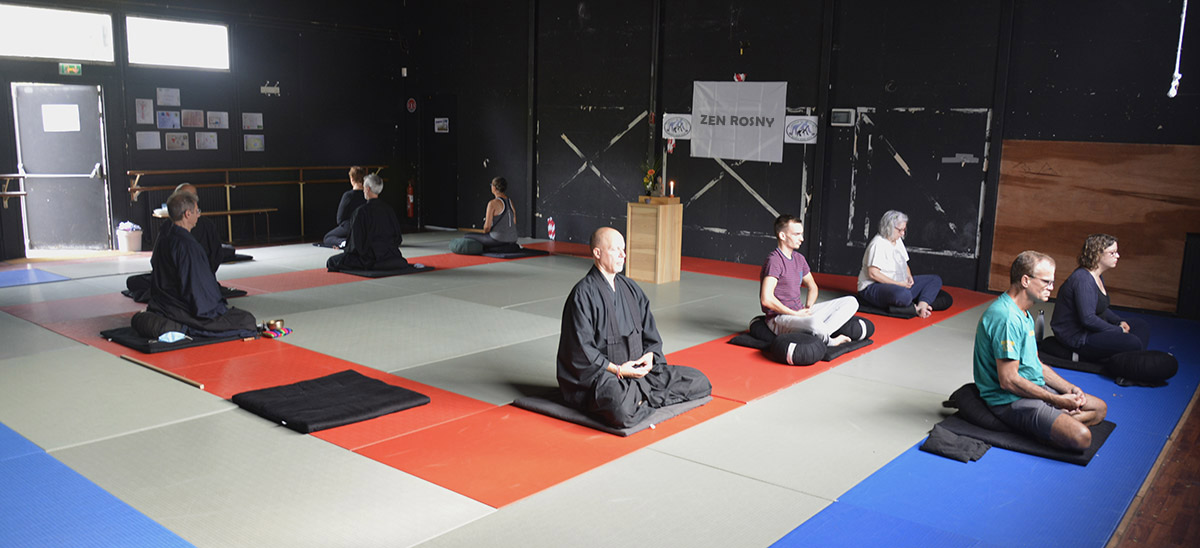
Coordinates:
<point>339,70</point>
<point>528,84</point>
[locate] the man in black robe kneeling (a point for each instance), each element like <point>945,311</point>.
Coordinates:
<point>610,360</point>
<point>184,294</point>
<point>375,237</point>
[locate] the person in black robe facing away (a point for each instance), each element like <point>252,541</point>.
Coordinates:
<point>351,200</point>
<point>205,233</point>
<point>184,294</point>
<point>610,360</point>
<point>375,237</point>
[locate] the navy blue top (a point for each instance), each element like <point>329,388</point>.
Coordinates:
<point>1081,309</point>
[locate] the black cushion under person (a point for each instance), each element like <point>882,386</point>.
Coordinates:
<point>1143,367</point>
<point>941,302</point>
<point>797,348</point>
<point>974,410</point>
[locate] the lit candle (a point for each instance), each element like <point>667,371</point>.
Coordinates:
<point>672,189</point>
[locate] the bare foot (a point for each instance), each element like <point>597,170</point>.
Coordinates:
<point>839,340</point>
<point>924,310</point>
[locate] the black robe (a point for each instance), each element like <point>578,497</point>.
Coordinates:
<point>184,289</point>
<point>351,200</point>
<point>599,326</point>
<point>374,242</point>
<point>205,233</point>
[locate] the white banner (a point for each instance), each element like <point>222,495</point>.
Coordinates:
<point>800,130</point>
<point>738,120</point>
<point>677,126</point>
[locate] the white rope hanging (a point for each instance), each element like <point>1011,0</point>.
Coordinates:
<point>1178,53</point>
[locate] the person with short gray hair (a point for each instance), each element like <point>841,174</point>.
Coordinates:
<point>375,235</point>
<point>885,279</point>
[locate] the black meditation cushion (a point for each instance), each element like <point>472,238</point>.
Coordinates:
<point>342,398</point>
<point>411,268</point>
<point>857,328</point>
<point>1151,367</point>
<point>797,349</point>
<point>941,302</point>
<point>466,246</point>
<point>552,405</point>
<point>974,410</point>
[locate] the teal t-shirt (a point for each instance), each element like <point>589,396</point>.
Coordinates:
<point>1005,332</point>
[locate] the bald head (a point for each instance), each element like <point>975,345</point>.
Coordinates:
<point>608,249</point>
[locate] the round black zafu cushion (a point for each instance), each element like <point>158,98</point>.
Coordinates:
<point>857,328</point>
<point>466,246</point>
<point>1143,366</point>
<point>942,301</point>
<point>797,349</point>
<point>974,410</point>
<point>760,331</point>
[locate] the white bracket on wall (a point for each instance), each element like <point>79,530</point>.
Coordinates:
<point>268,89</point>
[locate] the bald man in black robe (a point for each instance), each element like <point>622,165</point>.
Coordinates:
<point>610,360</point>
<point>375,236</point>
<point>184,294</point>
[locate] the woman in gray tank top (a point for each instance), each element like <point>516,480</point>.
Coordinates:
<point>499,222</point>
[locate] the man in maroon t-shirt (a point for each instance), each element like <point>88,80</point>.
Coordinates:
<point>780,295</point>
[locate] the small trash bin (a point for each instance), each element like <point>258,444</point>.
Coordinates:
<point>129,240</point>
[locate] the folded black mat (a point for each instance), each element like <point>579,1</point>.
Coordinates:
<point>126,336</point>
<point>412,268</point>
<point>237,258</point>
<point>1024,444</point>
<point>552,405</point>
<point>524,252</point>
<point>334,400</point>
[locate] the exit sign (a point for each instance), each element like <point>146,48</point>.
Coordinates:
<point>70,69</point>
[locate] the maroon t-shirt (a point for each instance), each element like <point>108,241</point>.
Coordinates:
<point>790,273</point>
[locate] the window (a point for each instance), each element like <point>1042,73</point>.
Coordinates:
<point>160,42</point>
<point>55,34</point>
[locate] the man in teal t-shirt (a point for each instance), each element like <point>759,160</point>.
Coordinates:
<point>1025,394</point>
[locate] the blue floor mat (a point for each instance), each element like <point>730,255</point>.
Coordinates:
<point>14,445</point>
<point>44,503</point>
<point>27,276</point>
<point>841,524</point>
<point>1014,499</point>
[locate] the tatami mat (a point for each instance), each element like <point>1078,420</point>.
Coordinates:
<point>936,360</point>
<point>646,498</point>
<point>820,437</point>
<point>22,338</point>
<point>103,396</point>
<point>232,479</point>
<point>499,375</point>
<point>394,334</point>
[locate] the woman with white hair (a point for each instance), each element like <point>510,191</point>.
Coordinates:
<point>885,280</point>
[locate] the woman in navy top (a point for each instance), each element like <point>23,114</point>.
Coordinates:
<point>1082,318</point>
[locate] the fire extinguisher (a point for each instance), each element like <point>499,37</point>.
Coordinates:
<point>411,199</point>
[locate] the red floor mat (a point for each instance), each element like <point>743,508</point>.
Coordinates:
<point>503,455</point>
<point>453,260</point>
<point>290,281</point>
<point>563,248</point>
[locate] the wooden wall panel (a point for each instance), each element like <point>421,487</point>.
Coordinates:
<point>1053,194</point>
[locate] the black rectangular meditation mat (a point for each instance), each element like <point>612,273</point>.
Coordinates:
<point>412,268</point>
<point>552,405</point>
<point>1024,444</point>
<point>334,400</point>
<point>126,336</point>
<point>524,252</point>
